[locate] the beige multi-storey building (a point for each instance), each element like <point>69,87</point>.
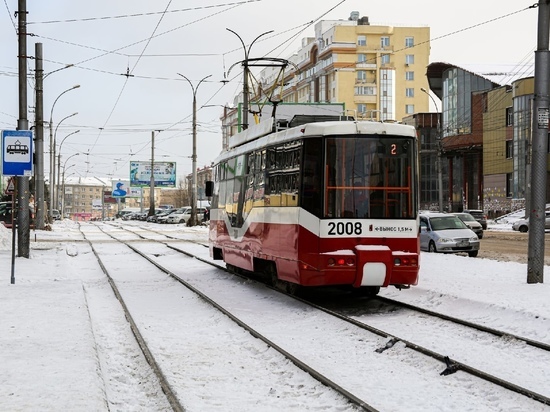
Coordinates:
<point>376,71</point>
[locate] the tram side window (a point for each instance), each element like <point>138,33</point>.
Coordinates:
<point>312,177</point>
<point>283,175</point>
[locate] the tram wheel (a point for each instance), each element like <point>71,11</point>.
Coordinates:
<point>293,289</point>
<point>367,291</point>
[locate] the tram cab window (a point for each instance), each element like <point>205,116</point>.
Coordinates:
<point>369,177</point>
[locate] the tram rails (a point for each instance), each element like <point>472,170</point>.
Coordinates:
<point>171,389</point>
<point>450,365</point>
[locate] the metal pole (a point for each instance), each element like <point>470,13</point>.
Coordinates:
<point>61,199</point>
<point>39,140</point>
<point>53,191</point>
<point>245,75</point>
<point>59,166</point>
<point>23,218</point>
<point>193,219</point>
<point>152,184</point>
<point>535,252</point>
<point>52,152</point>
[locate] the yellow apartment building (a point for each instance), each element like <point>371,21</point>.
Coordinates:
<point>377,71</point>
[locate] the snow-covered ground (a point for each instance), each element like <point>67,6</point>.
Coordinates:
<point>48,347</point>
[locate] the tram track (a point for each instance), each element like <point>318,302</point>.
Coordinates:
<point>166,386</point>
<point>451,365</point>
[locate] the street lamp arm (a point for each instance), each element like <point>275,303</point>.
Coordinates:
<point>254,41</point>
<point>65,138</point>
<point>242,42</point>
<point>57,70</point>
<point>76,86</point>
<point>61,121</point>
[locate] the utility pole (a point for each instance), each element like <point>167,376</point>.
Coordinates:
<point>39,140</point>
<point>535,252</point>
<point>23,218</point>
<point>193,218</point>
<point>152,184</point>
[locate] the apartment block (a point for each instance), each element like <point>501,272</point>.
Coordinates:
<point>377,71</point>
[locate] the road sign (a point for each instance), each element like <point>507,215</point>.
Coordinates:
<point>17,152</point>
<point>10,189</point>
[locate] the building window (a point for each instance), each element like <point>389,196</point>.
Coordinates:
<point>361,108</point>
<point>384,41</point>
<point>409,92</point>
<point>409,75</point>
<point>361,40</point>
<point>509,182</point>
<point>365,91</point>
<point>509,116</point>
<point>385,59</point>
<point>409,59</point>
<point>361,75</point>
<point>409,41</point>
<point>361,58</point>
<point>509,149</point>
<point>409,108</point>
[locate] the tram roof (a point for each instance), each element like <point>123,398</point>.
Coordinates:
<point>261,135</point>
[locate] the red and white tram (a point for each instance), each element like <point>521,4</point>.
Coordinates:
<point>322,203</point>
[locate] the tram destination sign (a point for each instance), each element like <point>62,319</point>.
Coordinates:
<point>17,153</point>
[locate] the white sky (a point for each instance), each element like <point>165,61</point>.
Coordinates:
<point>65,344</point>
<point>116,114</point>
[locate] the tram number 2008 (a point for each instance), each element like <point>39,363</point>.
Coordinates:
<point>345,228</point>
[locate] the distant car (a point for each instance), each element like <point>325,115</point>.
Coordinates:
<point>163,218</point>
<point>56,215</point>
<point>478,215</point>
<point>522,225</point>
<point>446,233</point>
<point>185,215</point>
<point>471,222</point>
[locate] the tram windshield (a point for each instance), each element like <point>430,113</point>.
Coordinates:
<point>369,177</point>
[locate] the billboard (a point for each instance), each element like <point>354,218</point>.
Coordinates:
<point>120,188</point>
<point>164,174</point>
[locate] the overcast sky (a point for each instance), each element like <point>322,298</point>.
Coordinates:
<point>107,39</point>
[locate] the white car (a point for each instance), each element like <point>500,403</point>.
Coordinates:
<point>185,215</point>
<point>522,225</point>
<point>446,233</point>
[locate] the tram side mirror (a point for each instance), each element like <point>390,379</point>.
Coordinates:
<point>209,188</point>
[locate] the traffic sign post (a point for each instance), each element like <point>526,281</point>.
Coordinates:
<point>17,153</point>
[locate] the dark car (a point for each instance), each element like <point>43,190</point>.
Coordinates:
<point>478,215</point>
<point>471,222</point>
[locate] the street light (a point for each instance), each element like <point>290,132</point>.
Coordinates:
<point>59,165</point>
<point>245,77</point>
<point>193,219</point>
<point>52,154</point>
<point>438,160</point>
<point>61,204</point>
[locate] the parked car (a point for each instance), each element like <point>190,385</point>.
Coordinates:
<point>162,218</point>
<point>522,225</point>
<point>478,215</point>
<point>158,212</point>
<point>446,233</point>
<point>56,215</point>
<point>471,222</point>
<point>185,215</point>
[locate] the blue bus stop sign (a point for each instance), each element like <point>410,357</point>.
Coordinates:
<point>17,151</point>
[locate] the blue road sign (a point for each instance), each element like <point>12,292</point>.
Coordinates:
<point>17,150</point>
